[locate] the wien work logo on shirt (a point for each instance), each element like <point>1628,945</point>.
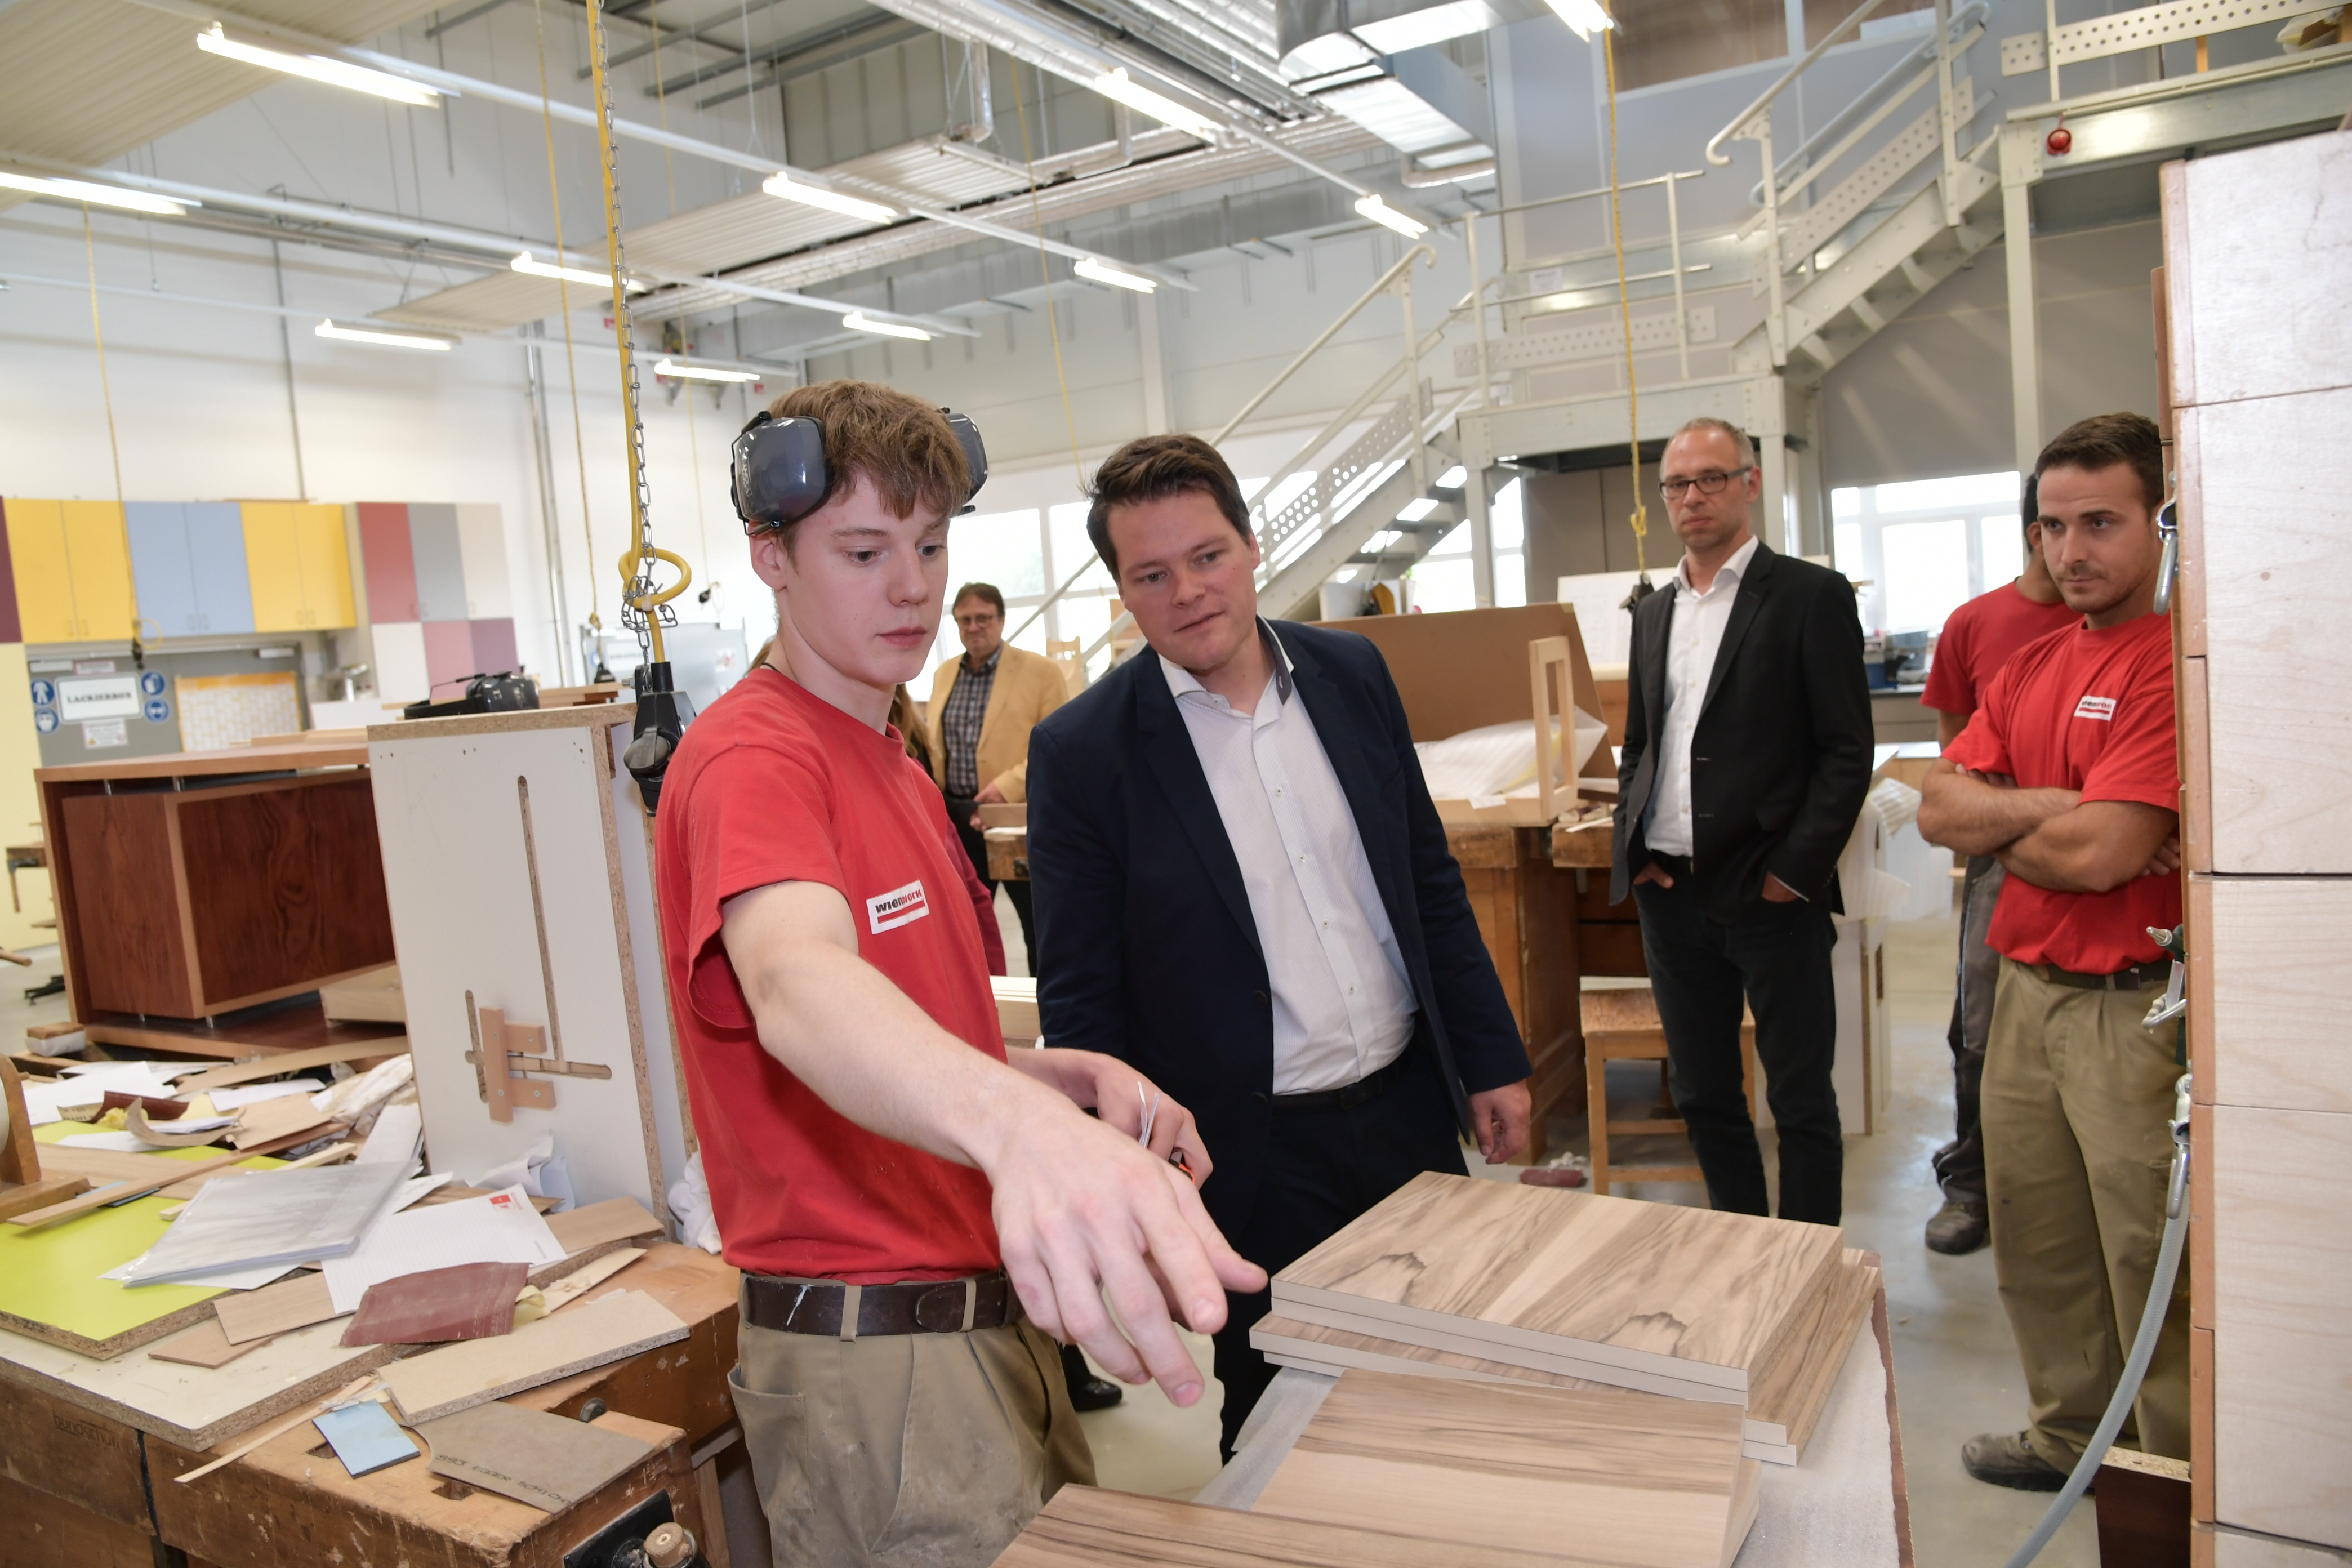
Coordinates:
<point>2095,707</point>
<point>899,906</point>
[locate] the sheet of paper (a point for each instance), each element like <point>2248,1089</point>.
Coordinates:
<point>398,1129</point>
<point>417,1187</point>
<point>245,1094</point>
<point>86,1083</point>
<point>131,1143</point>
<point>502,1228</point>
<point>226,1279</point>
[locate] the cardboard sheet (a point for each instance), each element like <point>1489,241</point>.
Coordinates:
<point>530,1456</point>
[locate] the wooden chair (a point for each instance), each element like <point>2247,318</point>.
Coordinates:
<point>1621,1025</point>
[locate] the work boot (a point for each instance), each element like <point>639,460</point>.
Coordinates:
<point>1087,1392</point>
<point>1958,1227</point>
<point>2007,1459</point>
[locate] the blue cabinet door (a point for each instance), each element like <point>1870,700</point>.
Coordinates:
<point>160,568</point>
<point>224,590</point>
<point>440,562</point>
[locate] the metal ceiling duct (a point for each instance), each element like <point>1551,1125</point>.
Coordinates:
<point>1376,61</point>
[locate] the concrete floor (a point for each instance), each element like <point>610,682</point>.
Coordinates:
<point>1956,1367</point>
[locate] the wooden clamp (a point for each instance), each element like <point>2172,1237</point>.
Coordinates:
<point>504,1052</point>
<point>22,1186</point>
<point>1554,708</point>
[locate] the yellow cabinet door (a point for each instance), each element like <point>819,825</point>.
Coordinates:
<point>101,569</point>
<point>273,561</point>
<point>326,567</point>
<point>36,553</point>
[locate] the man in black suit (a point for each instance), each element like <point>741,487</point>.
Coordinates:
<point>1747,755</point>
<point>1242,888</point>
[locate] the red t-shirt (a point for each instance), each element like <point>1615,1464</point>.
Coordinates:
<point>1979,638</point>
<point>2088,711</point>
<point>772,784</point>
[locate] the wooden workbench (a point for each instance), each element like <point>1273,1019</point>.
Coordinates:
<point>90,1490</point>
<point>201,895</point>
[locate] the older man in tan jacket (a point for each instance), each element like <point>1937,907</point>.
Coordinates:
<point>982,706</point>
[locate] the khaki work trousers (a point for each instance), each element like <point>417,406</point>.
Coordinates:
<point>2077,1101</point>
<point>905,1450</point>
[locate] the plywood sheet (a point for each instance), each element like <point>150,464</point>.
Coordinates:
<point>202,1345</point>
<point>457,1377</point>
<point>601,1225</point>
<point>2282,1360</point>
<point>2260,227</point>
<point>2268,1000</point>
<point>277,1309</point>
<point>1491,1269</point>
<point>528,1455</point>
<point>1086,1528</point>
<point>450,815</point>
<point>1627,1478</point>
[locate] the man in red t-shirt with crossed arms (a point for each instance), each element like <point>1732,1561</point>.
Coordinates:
<point>2068,777</point>
<point>878,1168</point>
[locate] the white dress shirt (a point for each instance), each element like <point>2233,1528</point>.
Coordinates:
<point>1343,1005</point>
<point>1692,643</point>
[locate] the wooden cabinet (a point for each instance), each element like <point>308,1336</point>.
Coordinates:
<point>439,552</point>
<point>1526,910</point>
<point>482,549</point>
<point>189,564</point>
<point>72,570</point>
<point>388,562</point>
<point>299,566</point>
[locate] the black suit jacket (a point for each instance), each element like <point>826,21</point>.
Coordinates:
<point>1146,947</point>
<point>1780,760</point>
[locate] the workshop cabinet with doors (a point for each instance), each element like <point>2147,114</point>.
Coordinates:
<point>299,566</point>
<point>189,559</point>
<point>72,571</point>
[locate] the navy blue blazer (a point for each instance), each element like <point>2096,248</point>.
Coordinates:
<point>1146,947</point>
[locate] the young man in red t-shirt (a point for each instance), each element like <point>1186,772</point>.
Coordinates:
<point>1978,639</point>
<point>876,1167</point>
<point>2067,776</point>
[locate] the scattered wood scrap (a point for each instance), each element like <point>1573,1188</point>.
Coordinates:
<point>474,1372</point>
<point>530,1456</point>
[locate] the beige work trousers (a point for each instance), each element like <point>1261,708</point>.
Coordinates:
<point>905,1450</point>
<point>2077,1100</point>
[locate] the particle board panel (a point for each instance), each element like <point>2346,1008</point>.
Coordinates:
<point>193,1406</point>
<point>2267,988</point>
<point>2248,232</point>
<point>2282,1350</point>
<point>536,933</point>
<point>1085,1527</point>
<point>1493,1269</point>
<point>55,1446</point>
<point>682,1384</point>
<point>474,1372</point>
<point>2275,752</point>
<point>1631,1479</point>
<point>528,1455</point>
<point>49,1531</point>
<point>404,1515</point>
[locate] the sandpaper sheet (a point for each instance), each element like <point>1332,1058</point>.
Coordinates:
<point>469,1301</point>
<point>546,1462</point>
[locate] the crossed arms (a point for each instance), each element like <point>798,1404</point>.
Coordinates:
<point>2053,838</point>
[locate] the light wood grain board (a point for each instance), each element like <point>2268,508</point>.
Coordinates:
<point>275,1309</point>
<point>203,1345</point>
<point>1086,1528</point>
<point>528,1455</point>
<point>2282,1358</point>
<point>1620,1477</point>
<point>1496,1269</point>
<point>457,1377</point>
<point>2260,226</point>
<point>2266,990</point>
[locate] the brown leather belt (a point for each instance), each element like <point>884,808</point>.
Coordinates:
<point>2138,977</point>
<point>909,1307</point>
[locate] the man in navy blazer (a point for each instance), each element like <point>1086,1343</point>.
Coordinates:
<point>1242,889</point>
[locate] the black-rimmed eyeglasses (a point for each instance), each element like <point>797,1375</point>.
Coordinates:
<point>1710,483</point>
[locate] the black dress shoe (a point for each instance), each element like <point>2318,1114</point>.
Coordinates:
<point>2007,1459</point>
<point>1087,1392</point>
<point>1958,1227</point>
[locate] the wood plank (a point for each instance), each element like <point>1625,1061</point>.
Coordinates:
<point>686,1384</point>
<point>284,1029</point>
<point>1629,1479</point>
<point>2274,993</point>
<point>474,1372</point>
<point>132,937</point>
<point>203,1345</point>
<point>600,1225</point>
<point>289,1304</point>
<point>47,1531</point>
<point>290,1062</point>
<point>2282,1272</point>
<point>1083,1527</point>
<point>2261,330</point>
<point>34,1219</point>
<point>1654,1287</point>
<point>288,758</point>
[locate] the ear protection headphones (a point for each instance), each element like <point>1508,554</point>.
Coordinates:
<point>776,472</point>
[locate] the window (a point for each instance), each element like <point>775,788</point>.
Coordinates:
<point>1441,580</point>
<point>1923,547</point>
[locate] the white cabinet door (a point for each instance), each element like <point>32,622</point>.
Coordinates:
<point>482,543</point>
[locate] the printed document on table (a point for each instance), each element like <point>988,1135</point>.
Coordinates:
<point>502,1228</point>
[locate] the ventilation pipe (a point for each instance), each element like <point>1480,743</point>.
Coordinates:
<point>983,123</point>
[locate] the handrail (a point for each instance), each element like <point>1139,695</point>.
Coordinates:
<point>1721,160</point>
<point>1374,293</point>
<point>1967,17</point>
<point>1593,194</point>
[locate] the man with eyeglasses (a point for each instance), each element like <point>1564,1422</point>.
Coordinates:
<point>1747,755</point>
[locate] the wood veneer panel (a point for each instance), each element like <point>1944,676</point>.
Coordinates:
<point>2275,995</point>
<point>2256,225</point>
<point>1654,1287</point>
<point>1086,1528</point>
<point>60,1448</point>
<point>46,1531</point>
<point>285,884</point>
<point>134,946</point>
<point>1629,1479</point>
<point>2282,1357</point>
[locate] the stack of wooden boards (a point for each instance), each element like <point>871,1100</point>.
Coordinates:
<point>1481,1281</point>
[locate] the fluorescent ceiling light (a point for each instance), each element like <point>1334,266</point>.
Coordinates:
<point>385,337</point>
<point>1451,480</point>
<point>1118,85</point>
<point>1103,272</point>
<point>792,190</point>
<point>676,372</point>
<point>859,321</point>
<point>1381,213</point>
<point>320,67</point>
<point>528,263</point>
<point>1415,511</point>
<point>1584,17</point>
<point>100,196</point>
